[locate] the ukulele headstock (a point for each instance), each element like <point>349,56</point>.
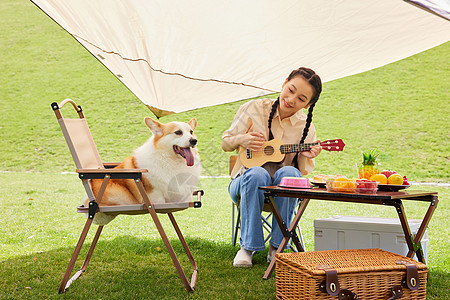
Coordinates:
<point>333,145</point>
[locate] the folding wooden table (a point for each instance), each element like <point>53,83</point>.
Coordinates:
<point>380,198</point>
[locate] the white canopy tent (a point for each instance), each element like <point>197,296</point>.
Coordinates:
<point>438,7</point>
<point>182,55</point>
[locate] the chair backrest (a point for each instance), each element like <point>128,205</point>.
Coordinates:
<point>78,137</point>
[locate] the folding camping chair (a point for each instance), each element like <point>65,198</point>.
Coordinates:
<point>267,213</point>
<point>89,166</point>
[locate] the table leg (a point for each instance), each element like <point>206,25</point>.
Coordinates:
<point>414,244</point>
<point>421,231</point>
<point>405,226</point>
<point>288,233</point>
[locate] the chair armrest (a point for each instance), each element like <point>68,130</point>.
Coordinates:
<point>114,173</point>
<point>199,194</point>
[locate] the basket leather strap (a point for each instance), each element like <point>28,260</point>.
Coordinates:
<point>331,284</point>
<point>396,292</point>
<point>412,276</point>
<point>346,295</point>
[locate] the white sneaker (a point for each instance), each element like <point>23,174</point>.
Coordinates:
<point>243,258</point>
<point>272,252</point>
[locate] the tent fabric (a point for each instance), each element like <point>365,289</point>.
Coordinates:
<point>182,55</point>
<point>439,7</point>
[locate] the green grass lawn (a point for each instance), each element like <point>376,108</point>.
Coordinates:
<point>401,109</point>
<point>39,230</point>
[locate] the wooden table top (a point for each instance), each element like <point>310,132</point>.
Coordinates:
<point>323,194</point>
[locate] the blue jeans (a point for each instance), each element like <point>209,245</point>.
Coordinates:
<point>244,189</point>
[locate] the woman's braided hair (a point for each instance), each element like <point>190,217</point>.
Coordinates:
<point>312,78</point>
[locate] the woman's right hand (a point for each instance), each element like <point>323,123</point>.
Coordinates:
<point>253,141</point>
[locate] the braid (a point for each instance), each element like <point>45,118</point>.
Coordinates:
<point>272,113</point>
<point>305,131</point>
<point>314,80</point>
<point>308,122</point>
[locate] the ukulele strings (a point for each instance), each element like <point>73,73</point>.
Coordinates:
<point>289,148</point>
<point>296,148</point>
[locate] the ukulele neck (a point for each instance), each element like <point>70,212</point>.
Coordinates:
<point>291,148</point>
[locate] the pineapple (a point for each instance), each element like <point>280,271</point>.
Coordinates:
<point>369,164</point>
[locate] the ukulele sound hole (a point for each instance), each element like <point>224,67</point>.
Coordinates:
<point>269,150</point>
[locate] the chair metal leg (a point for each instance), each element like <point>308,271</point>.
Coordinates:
<point>164,237</point>
<point>91,249</point>
<point>66,282</point>
<point>233,239</point>
<point>169,248</point>
<point>237,225</point>
<point>187,250</point>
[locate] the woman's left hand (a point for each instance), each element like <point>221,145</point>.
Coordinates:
<point>313,152</point>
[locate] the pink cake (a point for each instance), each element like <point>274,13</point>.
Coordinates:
<point>295,182</point>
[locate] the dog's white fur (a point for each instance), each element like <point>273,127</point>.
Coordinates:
<point>170,178</point>
<point>173,180</point>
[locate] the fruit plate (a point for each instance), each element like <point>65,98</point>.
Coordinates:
<point>319,184</point>
<point>392,187</point>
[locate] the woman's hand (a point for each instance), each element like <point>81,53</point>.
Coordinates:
<point>313,152</point>
<point>252,141</point>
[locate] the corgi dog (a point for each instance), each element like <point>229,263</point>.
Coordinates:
<point>170,155</point>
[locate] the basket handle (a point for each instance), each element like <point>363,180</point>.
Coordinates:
<point>396,292</point>
<point>347,295</point>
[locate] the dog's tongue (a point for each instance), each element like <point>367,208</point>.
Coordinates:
<point>188,155</point>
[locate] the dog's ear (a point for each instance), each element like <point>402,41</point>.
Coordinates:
<point>155,126</point>
<point>193,123</point>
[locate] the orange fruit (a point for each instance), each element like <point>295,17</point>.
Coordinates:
<point>339,182</point>
<point>351,185</point>
<point>344,185</point>
<point>341,179</point>
<point>395,179</point>
<point>381,178</point>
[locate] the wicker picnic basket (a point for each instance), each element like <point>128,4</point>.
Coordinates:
<point>349,274</point>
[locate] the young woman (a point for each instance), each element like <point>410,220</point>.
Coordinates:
<point>258,121</point>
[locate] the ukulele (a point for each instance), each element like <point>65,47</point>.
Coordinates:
<point>275,150</point>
